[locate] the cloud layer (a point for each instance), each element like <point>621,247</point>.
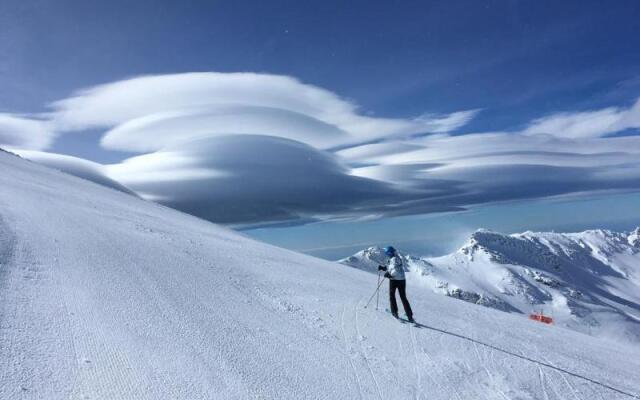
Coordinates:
<point>147,113</point>
<point>587,124</point>
<point>24,133</point>
<point>247,149</point>
<point>248,179</point>
<point>494,167</point>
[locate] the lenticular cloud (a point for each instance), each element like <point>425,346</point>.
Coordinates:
<point>157,131</point>
<point>247,149</point>
<point>147,113</point>
<point>249,179</point>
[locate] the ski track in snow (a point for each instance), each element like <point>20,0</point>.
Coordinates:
<point>543,384</point>
<point>482,360</point>
<point>346,348</point>
<point>416,366</point>
<point>436,381</point>
<point>544,377</point>
<point>571,388</point>
<point>564,373</point>
<point>105,296</point>
<point>363,352</point>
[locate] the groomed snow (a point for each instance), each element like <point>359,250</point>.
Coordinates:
<point>106,296</point>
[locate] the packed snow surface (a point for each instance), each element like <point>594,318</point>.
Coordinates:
<point>587,281</point>
<point>106,296</point>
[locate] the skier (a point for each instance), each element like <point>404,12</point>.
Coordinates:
<point>395,273</point>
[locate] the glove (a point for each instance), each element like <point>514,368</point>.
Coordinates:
<point>387,275</point>
<point>382,268</point>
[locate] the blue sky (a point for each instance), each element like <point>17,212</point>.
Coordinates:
<point>396,73</point>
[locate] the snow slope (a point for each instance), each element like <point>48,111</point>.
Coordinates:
<point>79,167</point>
<point>106,296</point>
<point>588,281</point>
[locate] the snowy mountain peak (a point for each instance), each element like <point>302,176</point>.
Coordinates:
<point>483,239</point>
<point>634,238</point>
<point>372,257</point>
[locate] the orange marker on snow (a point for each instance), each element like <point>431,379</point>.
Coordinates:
<point>541,318</point>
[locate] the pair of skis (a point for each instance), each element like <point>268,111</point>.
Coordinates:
<point>403,320</point>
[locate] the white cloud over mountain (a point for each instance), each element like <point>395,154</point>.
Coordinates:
<point>246,148</point>
<point>251,179</point>
<point>156,131</point>
<point>17,131</point>
<point>184,106</point>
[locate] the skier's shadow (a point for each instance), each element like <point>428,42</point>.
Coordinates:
<point>561,370</point>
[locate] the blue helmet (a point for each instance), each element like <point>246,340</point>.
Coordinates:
<point>389,251</point>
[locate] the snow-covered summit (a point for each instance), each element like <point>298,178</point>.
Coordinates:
<point>106,296</point>
<point>588,281</point>
<point>634,238</point>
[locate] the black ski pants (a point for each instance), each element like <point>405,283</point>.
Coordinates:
<point>402,289</point>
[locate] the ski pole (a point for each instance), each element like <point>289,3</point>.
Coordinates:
<point>374,293</point>
<point>378,292</point>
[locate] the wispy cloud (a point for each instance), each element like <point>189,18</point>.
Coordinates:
<point>587,124</point>
<point>17,131</point>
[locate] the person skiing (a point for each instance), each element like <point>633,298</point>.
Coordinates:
<point>395,273</point>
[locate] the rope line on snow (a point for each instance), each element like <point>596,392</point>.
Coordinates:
<point>595,382</point>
